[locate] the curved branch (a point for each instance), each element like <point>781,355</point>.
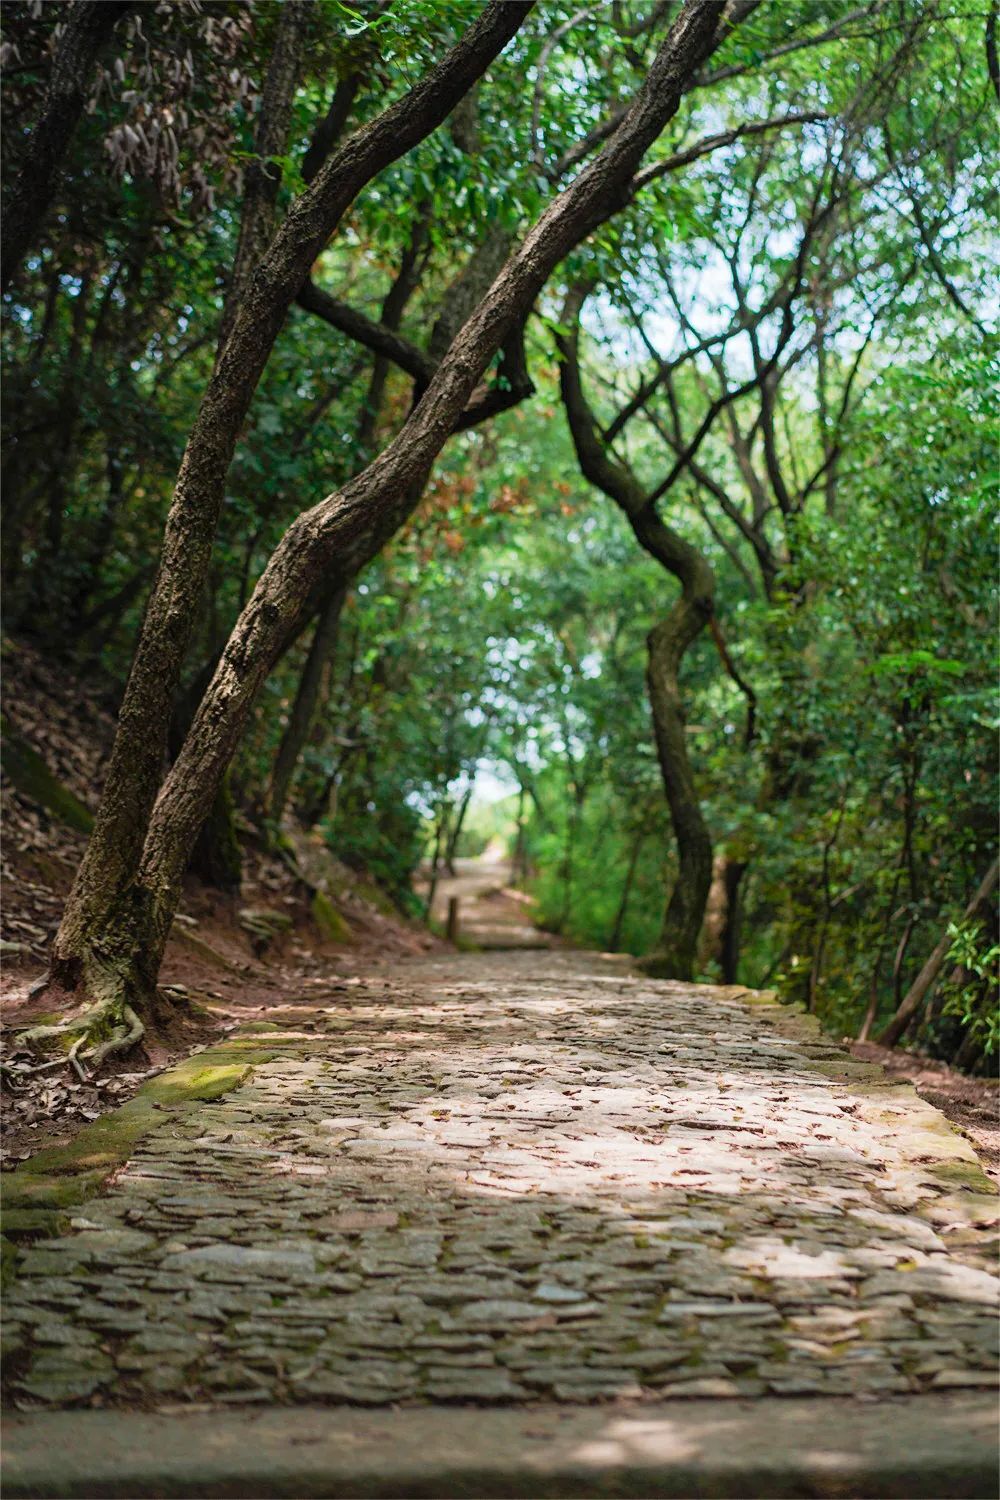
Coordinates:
<point>364,330</point>
<point>723,138</point>
<point>513,386</point>
<point>135,765</point>
<point>750,733</point>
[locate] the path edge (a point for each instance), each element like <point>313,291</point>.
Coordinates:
<point>920,1448</point>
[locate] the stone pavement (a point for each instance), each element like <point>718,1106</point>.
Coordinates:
<point>516,1178</point>
<point>491,913</point>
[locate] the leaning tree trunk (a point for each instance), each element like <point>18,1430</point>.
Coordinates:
<point>300,719</point>
<point>87,27</point>
<point>729,945</point>
<point>674,956</point>
<point>263,174</point>
<point>326,630</point>
<point>111,862</point>
<point>123,947</point>
<point>918,993</point>
<point>216,857</point>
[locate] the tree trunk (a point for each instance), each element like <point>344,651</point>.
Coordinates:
<point>730,945</point>
<point>216,857</point>
<point>88,26</point>
<point>113,855</point>
<point>614,942</point>
<point>455,833</point>
<point>519,862</point>
<point>674,956</point>
<point>117,924</point>
<point>675,953</point>
<point>720,933</point>
<point>263,174</point>
<point>300,719</point>
<point>440,832</point>
<point>919,990</point>
<point>573,815</point>
<point>325,634</point>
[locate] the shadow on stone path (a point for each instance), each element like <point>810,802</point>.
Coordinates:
<point>505,1179</point>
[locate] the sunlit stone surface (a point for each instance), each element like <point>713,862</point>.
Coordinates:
<point>500,1178</point>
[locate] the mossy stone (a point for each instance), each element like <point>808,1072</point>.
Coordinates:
<point>331,924</point>
<point>30,775</point>
<point>963,1174</point>
<point>62,1177</point>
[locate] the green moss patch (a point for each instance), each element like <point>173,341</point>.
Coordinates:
<point>205,950</point>
<point>332,926</point>
<point>961,1174</point>
<point>30,775</point>
<point>39,1192</point>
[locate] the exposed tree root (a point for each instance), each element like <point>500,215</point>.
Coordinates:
<point>73,1059</point>
<point>122,1039</point>
<point>98,1033</point>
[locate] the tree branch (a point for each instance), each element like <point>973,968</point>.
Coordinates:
<point>716,142</point>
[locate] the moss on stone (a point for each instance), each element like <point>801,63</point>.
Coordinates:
<point>759,997</point>
<point>62,1177</point>
<point>28,772</point>
<point>962,1174</point>
<point>332,926</point>
<point>205,950</point>
<point>46,1221</point>
<point>208,1075</point>
<point>26,1189</point>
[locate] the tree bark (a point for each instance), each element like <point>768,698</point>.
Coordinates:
<point>730,945</point>
<point>135,767</point>
<point>919,990</point>
<point>455,832</point>
<point>87,28</point>
<point>300,719</point>
<point>324,640</point>
<point>216,857</point>
<point>674,956</point>
<point>262,178</point>
<point>720,936</point>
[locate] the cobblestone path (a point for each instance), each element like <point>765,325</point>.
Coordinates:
<point>501,1178</point>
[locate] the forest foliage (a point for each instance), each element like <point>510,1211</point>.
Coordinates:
<point>784,339</point>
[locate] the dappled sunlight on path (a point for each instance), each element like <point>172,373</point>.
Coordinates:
<point>532,1176</point>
